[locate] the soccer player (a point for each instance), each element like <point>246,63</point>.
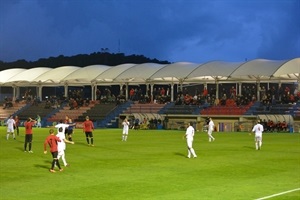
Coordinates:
<point>28,134</point>
<point>258,130</point>
<point>38,121</point>
<point>10,127</point>
<point>189,135</point>
<point>52,141</point>
<point>69,130</point>
<point>17,121</point>
<point>88,128</point>
<point>125,124</point>
<point>61,146</point>
<point>211,127</point>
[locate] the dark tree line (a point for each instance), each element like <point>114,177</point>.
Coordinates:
<point>81,60</point>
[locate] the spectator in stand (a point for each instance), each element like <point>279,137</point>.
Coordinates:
<point>162,92</point>
<point>47,104</point>
<point>98,94</point>
<point>265,124</point>
<point>287,91</point>
<point>223,100</point>
<point>8,103</point>
<point>205,92</point>
<point>284,126</point>
<point>270,126</point>
<point>232,92</point>
<point>131,94</point>
<point>278,126</point>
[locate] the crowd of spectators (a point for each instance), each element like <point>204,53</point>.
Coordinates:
<point>280,95</point>
<point>270,126</point>
<point>146,123</point>
<point>8,103</point>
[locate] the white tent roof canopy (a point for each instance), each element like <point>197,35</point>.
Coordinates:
<point>180,72</point>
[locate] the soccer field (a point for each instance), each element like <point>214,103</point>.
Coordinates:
<point>152,164</point>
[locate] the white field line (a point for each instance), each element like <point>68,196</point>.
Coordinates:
<point>278,194</point>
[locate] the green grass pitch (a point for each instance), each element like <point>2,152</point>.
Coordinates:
<point>152,165</point>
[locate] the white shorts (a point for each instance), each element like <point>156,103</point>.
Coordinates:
<point>189,143</point>
<point>61,153</point>
<point>258,138</point>
<point>10,129</point>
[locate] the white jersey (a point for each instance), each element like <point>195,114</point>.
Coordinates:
<point>211,126</point>
<point>125,127</point>
<point>61,146</point>
<point>258,129</point>
<point>190,131</point>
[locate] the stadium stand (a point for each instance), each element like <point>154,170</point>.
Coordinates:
<point>144,108</point>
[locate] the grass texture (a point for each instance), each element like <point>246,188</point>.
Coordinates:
<point>152,165</point>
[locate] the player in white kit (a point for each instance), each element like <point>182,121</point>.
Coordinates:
<point>258,130</point>
<point>189,135</point>
<point>10,127</point>
<point>61,146</point>
<point>125,124</point>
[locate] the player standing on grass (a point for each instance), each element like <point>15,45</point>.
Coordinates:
<point>258,130</point>
<point>28,134</point>
<point>10,127</point>
<point>189,135</point>
<point>52,141</point>
<point>69,130</point>
<point>211,127</point>
<point>17,121</point>
<point>61,146</point>
<point>125,124</point>
<point>88,128</point>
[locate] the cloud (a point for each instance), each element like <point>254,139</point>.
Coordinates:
<point>194,31</point>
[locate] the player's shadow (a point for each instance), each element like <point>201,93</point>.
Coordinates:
<point>20,148</point>
<point>179,154</point>
<point>248,147</point>
<point>43,166</point>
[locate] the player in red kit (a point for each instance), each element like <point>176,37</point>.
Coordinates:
<point>52,140</point>
<point>28,134</point>
<point>88,128</point>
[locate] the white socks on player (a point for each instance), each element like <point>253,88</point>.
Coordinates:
<point>7,136</point>
<point>210,138</point>
<point>191,151</point>
<point>124,137</point>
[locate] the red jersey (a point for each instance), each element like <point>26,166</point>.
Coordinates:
<point>28,127</point>
<point>17,121</point>
<point>88,126</point>
<point>51,140</point>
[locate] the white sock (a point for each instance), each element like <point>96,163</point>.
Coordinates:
<point>193,152</point>
<point>7,136</point>
<point>64,159</point>
<point>256,145</point>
